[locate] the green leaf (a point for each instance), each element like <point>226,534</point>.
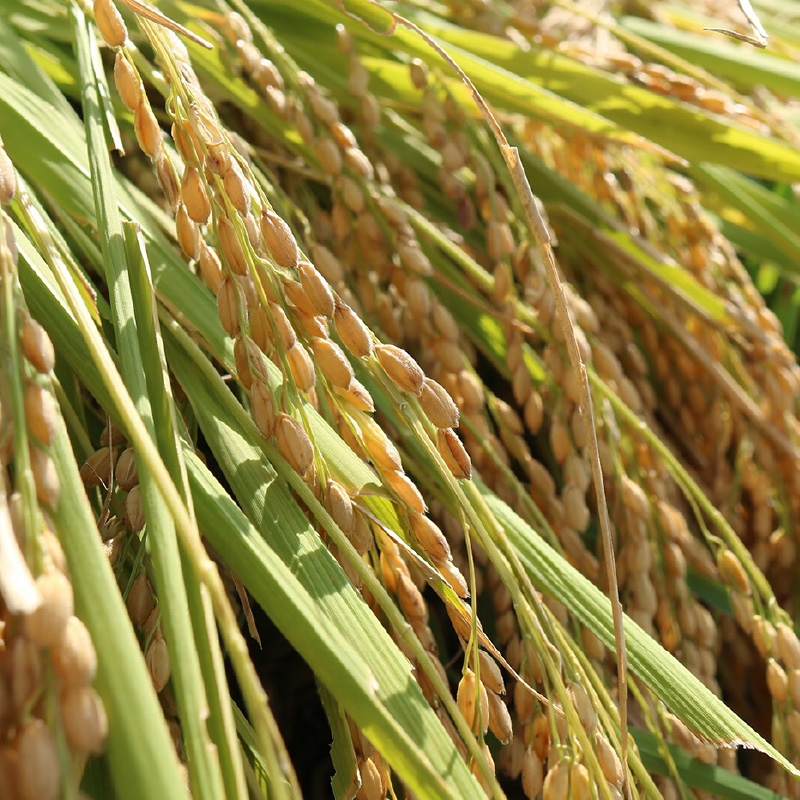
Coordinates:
<point>141,367</point>
<point>745,66</point>
<point>141,764</point>
<point>285,566</point>
<point>688,131</point>
<point>703,777</point>
<point>502,87</point>
<point>703,712</point>
<point>345,781</point>
<point>775,219</point>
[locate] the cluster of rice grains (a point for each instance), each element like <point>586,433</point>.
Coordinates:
<point>51,719</point>
<point>277,305</point>
<point>298,315</point>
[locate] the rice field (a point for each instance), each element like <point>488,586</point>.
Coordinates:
<point>399,400</point>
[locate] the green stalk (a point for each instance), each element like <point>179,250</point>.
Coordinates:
<point>203,766</point>
<point>221,723</point>
<point>141,755</point>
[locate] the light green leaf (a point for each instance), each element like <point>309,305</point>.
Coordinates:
<point>284,565</point>
<point>703,712</point>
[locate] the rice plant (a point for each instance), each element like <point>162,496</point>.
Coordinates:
<point>415,342</point>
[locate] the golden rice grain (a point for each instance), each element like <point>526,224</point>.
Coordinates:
<point>438,405</point>
<point>477,772</point>
<point>294,443</point>
<point>210,267</point>
<point>577,472</point>
<point>560,442</point>
<point>140,600</point>
<point>313,326</point>
<point>511,758</point>
<point>38,766</point>
<point>148,133</point>
<point>340,506</point>
<point>41,412</point>
<point>359,163</point>
<point>763,635</point>
<point>411,601</point>
<point>468,695</point>
<point>285,330</point>
<point>195,196</point>
<point>414,259</point>
<point>454,577</point>
<point>499,240</point>
<point>583,705</point>
<point>267,75</point>
<point>157,660</point>
<point>230,299</point>
<point>742,611</point>
<point>127,82</point>
<point>168,179</point>
<point>592,645</point>
<point>263,408</point>
<point>24,670</point>
<point>576,512</point>
<point>84,719</point>
<point>36,346</point>
<point>343,136</point>
<point>634,498</point>
<point>328,264</point>
<point>499,719</point>
<point>351,193</point>
<point>455,456</point>
<point>231,247</point>
<point>556,784</point>
<point>471,391</point>
<point>609,761</point>
<point>491,677</point>
<point>111,435</point>
<point>332,362</point>
<point>329,155</point>
<point>236,187</point>
<point>110,23</point>
<point>732,572</point>
<point>580,783</point>
<point>401,368</point>
<point>540,736</point>
<point>777,681</point>
<point>46,625</point>
<point>793,728</point>
<point>431,539</point>
<point>317,289</point>
<point>279,240</point>
<point>134,509</point>
<point>185,142</point>
<point>371,787</point>
<point>352,331</point>
<point>53,551</point>
<point>350,438</point>
<point>407,491</point>
<point>532,774</point>
<point>787,645</point>
<point>302,367</point>
<point>218,157</point>
<point>361,535</point>
<point>45,477</point>
<point>188,233</point>
<point>357,396</point>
